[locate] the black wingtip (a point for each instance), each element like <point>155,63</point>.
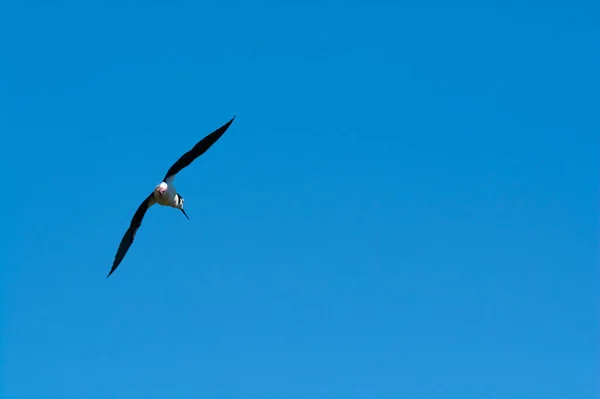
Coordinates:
<point>226,126</point>
<point>111,271</point>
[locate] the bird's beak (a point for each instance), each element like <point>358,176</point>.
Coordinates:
<point>185,214</point>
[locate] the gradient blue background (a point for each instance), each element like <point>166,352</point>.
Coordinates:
<point>406,205</point>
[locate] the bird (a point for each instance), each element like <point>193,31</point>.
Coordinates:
<point>165,193</point>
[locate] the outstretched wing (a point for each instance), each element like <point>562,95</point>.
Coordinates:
<point>199,149</point>
<point>127,239</point>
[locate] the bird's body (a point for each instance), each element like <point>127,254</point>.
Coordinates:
<point>165,193</point>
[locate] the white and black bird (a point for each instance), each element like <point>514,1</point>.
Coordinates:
<point>165,193</point>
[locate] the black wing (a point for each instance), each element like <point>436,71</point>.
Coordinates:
<point>127,239</point>
<point>199,149</point>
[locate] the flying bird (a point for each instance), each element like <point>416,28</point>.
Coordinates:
<point>165,193</point>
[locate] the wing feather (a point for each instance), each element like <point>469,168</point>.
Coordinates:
<point>129,235</point>
<point>199,149</point>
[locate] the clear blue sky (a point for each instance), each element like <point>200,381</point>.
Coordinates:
<point>406,205</point>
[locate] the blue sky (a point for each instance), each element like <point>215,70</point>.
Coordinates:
<point>406,205</point>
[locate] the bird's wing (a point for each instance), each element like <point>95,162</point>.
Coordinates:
<point>127,239</point>
<point>199,149</point>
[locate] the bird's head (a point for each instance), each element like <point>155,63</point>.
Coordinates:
<point>180,201</point>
